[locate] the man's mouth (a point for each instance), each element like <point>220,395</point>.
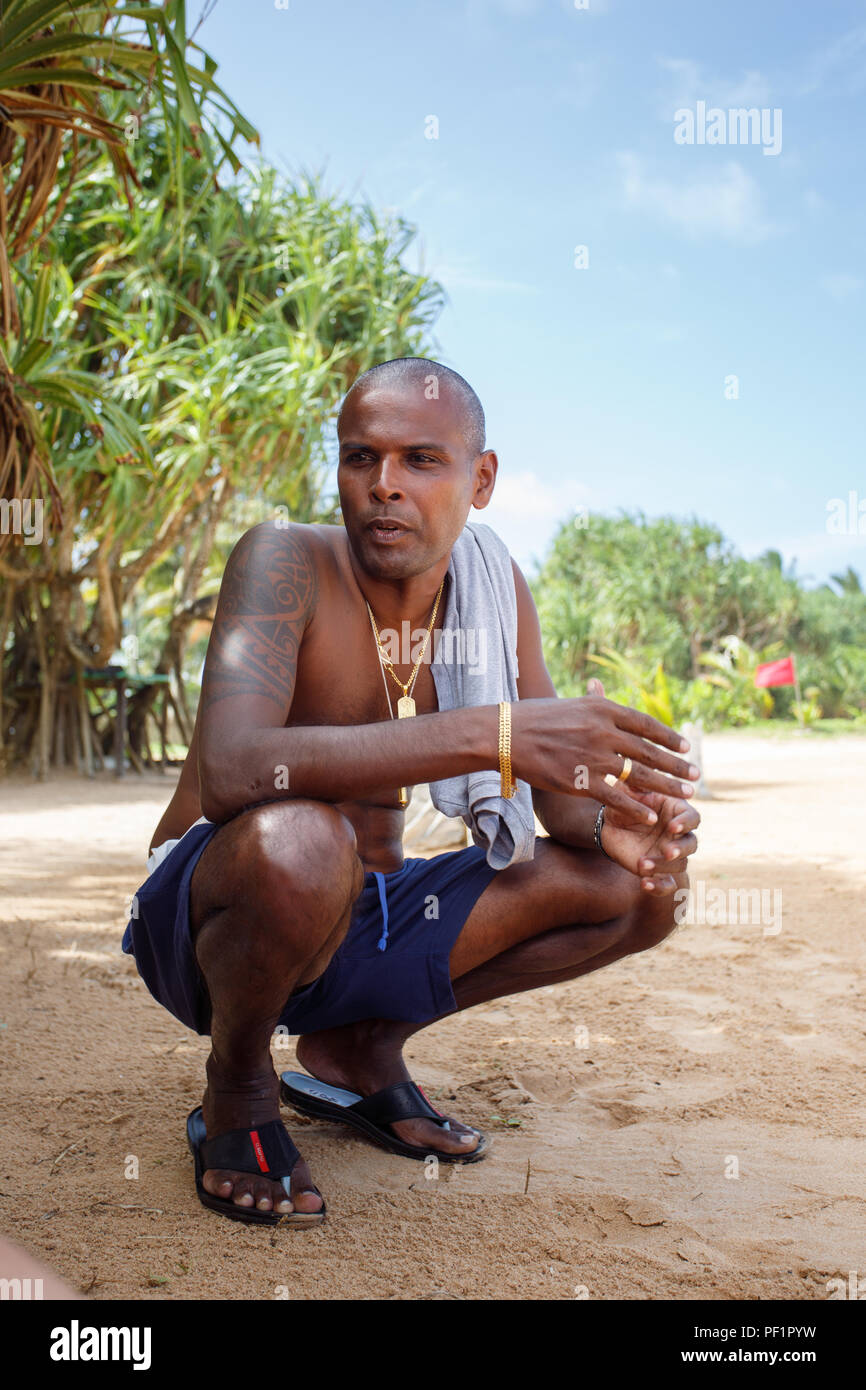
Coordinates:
<point>384,529</point>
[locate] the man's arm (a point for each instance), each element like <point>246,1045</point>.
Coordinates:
<point>267,600</point>
<point>569,819</point>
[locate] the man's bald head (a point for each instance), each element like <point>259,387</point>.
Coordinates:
<point>427,377</point>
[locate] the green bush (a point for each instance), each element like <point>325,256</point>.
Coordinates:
<point>674,622</point>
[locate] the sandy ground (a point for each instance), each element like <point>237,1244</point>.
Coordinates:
<point>687,1123</point>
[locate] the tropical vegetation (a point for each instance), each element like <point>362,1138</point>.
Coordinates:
<point>674,621</point>
<point>180,328</point>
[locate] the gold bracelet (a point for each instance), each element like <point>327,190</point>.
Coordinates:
<point>506,786</point>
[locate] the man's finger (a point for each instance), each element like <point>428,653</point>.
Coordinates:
<point>644,779</point>
<point>595,687</point>
<point>685,817</point>
<point>681,847</point>
<point>663,862</point>
<point>674,866</point>
<point>640,751</point>
<point>659,887</point>
<point>614,794</point>
<point>634,722</point>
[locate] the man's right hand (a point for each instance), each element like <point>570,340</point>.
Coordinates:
<point>571,745</point>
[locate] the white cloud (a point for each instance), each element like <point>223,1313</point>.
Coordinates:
<point>656,329</point>
<point>815,201</point>
<point>418,193</point>
<point>585,81</point>
<point>843,62</point>
<point>727,204</point>
<point>526,498</point>
<point>525,511</point>
<point>511,7</point>
<point>518,8</point>
<point>841,286</point>
<point>815,553</point>
<point>687,83</point>
<point>465,278</point>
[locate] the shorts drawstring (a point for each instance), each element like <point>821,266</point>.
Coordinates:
<point>383,939</point>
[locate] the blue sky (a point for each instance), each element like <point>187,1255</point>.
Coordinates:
<point>605,386</point>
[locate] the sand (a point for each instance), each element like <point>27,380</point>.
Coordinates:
<point>686,1124</point>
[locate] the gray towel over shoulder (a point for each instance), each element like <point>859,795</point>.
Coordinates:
<point>475,663</point>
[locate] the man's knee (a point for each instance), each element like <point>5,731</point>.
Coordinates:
<point>617,891</point>
<point>296,863</point>
<point>655,919</point>
<point>304,846</point>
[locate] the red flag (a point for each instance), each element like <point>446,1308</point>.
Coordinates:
<point>776,672</point>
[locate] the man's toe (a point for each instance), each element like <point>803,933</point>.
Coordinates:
<point>217,1183</point>
<point>249,1190</point>
<point>457,1138</point>
<point>304,1198</point>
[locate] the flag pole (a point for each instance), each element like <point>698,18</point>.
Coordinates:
<point>797,692</point>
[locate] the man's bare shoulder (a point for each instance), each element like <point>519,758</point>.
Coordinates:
<point>330,538</point>
<point>267,535</point>
<point>315,539</point>
<point>273,564</point>
<point>289,538</point>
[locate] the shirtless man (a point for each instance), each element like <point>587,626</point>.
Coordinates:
<point>241,926</point>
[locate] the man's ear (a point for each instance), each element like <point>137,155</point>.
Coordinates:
<point>486,466</point>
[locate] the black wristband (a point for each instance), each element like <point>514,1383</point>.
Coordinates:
<point>596,834</point>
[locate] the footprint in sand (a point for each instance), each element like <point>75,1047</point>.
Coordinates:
<point>620,1113</point>
<point>697,1037</point>
<point>546,1086</point>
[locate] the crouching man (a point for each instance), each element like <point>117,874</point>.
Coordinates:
<point>278,892</point>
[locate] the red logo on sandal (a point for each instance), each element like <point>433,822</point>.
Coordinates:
<point>259,1151</point>
<point>427,1098</point>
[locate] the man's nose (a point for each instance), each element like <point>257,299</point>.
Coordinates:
<point>386,484</point>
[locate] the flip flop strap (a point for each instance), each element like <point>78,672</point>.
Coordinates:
<point>402,1101</point>
<point>267,1150</point>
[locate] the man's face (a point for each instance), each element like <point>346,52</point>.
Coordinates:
<point>405,459</point>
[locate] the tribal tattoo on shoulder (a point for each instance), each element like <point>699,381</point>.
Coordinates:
<point>268,595</point>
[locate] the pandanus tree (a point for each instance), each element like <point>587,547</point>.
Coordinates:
<point>62,64</point>
<point>221,336</point>
<point>239,345</point>
<point>60,60</point>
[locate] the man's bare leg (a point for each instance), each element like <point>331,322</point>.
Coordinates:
<point>565,913</point>
<point>271,900</point>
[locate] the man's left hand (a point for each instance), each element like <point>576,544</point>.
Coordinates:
<point>654,853</point>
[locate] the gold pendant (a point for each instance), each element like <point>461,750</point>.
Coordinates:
<point>405,708</point>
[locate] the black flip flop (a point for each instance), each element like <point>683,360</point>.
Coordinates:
<point>373,1115</point>
<point>267,1149</point>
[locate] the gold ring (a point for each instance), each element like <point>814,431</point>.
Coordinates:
<point>626,770</point>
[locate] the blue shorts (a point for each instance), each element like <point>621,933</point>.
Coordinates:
<point>392,963</point>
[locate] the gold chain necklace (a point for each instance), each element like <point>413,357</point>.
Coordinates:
<point>405,705</point>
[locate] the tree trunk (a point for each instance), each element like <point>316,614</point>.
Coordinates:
<point>190,610</point>
<point>5,618</point>
<point>46,692</point>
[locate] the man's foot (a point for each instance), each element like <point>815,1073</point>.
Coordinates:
<point>367,1057</point>
<point>230,1104</point>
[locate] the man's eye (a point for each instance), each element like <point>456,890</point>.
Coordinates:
<point>422,458</point>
